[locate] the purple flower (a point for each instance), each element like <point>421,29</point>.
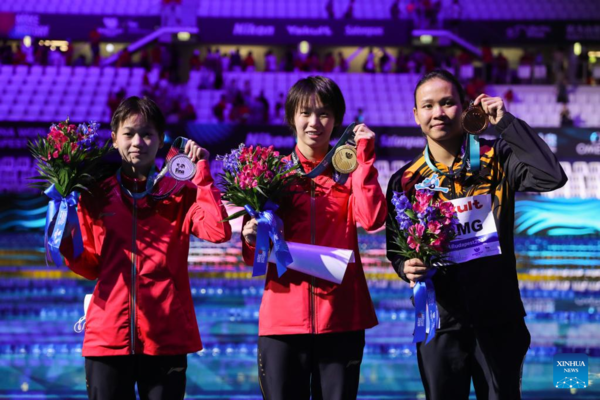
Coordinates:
<point>401,202</point>
<point>231,162</point>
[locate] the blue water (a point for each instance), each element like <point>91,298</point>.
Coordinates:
<point>40,354</point>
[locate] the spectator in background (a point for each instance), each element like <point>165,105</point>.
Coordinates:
<point>279,107</point>
<point>156,56</point>
<point>501,69</point>
<point>124,59</point>
<point>558,63</point>
<point>342,63</point>
<point>80,61</point>
<point>240,111</point>
<point>232,90</point>
<point>41,54</point>
<point>369,64</point>
<point>287,64</point>
<point>329,62</point>
<point>225,60</point>
<point>360,117</point>
<point>411,11</point>
<point>235,63</point>
<point>487,58</point>
<point>145,60</point>
<point>385,62</point>
<point>187,112</point>
<point>265,107</point>
<point>395,10</point>
<point>329,9</point>
<point>562,92</point>
<point>249,63</point>
<point>509,96</point>
<point>474,88</point>
<point>95,46</point>
<point>55,58</point>
<point>219,109</point>
<point>195,61</point>
<point>20,58</point>
<point>270,61</point>
<point>115,99</point>
<point>401,62</point>
<point>313,62</point>
<point>68,53</point>
<point>565,117</point>
<point>349,14</point>
<point>454,15</point>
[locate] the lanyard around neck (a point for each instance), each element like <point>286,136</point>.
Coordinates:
<point>470,157</point>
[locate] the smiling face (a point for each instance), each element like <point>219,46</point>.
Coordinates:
<point>438,110</point>
<point>137,142</point>
<point>314,124</point>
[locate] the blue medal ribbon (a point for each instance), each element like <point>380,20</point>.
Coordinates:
<point>270,226</point>
<point>62,211</point>
<point>426,313</point>
<point>471,158</point>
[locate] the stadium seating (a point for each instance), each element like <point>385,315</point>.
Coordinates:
<point>81,93</point>
<point>314,9</point>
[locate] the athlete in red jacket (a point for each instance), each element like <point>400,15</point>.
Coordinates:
<point>311,331</point>
<point>141,324</point>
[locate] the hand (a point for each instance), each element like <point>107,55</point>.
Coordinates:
<point>195,152</point>
<point>361,131</point>
<point>415,270</point>
<point>492,106</point>
<point>249,231</point>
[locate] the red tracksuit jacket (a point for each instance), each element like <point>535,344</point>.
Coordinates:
<point>138,250</point>
<point>325,213</point>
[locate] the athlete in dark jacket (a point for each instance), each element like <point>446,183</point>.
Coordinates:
<point>482,334</point>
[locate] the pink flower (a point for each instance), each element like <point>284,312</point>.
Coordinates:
<point>447,209</point>
<point>423,197</point>
<point>434,227</point>
<point>66,158</point>
<point>437,244</point>
<point>417,230</point>
<point>413,243</point>
<point>55,154</point>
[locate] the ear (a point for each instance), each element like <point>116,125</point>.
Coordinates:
<point>416,116</point>
<point>113,136</point>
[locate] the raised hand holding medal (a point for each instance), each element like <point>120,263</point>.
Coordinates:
<point>182,158</point>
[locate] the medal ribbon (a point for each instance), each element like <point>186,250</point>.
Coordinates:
<point>470,158</point>
<point>347,137</point>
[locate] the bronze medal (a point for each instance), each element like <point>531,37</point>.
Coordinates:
<point>474,119</point>
<point>344,160</point>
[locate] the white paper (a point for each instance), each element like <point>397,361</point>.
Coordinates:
<point>322,262</point>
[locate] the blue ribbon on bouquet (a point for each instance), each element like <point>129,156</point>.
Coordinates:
<point>63,212</point>
<point>270,226</point>
<point>427,318</point>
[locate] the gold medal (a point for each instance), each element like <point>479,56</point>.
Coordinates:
<point>344,160</point>
<point>474,119</point>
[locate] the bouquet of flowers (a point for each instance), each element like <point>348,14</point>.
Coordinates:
<point>426,225</point>
<point>256,178</point>
<point>68,160</point>
<point>68,157</point>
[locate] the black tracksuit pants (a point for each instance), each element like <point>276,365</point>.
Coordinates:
<point>492,356</point>
<point>326,366</point>
<point>157,377</point>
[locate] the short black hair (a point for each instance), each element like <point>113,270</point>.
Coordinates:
<point>445,76</point>
<point>139,106</point>
<point>326,89</point>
